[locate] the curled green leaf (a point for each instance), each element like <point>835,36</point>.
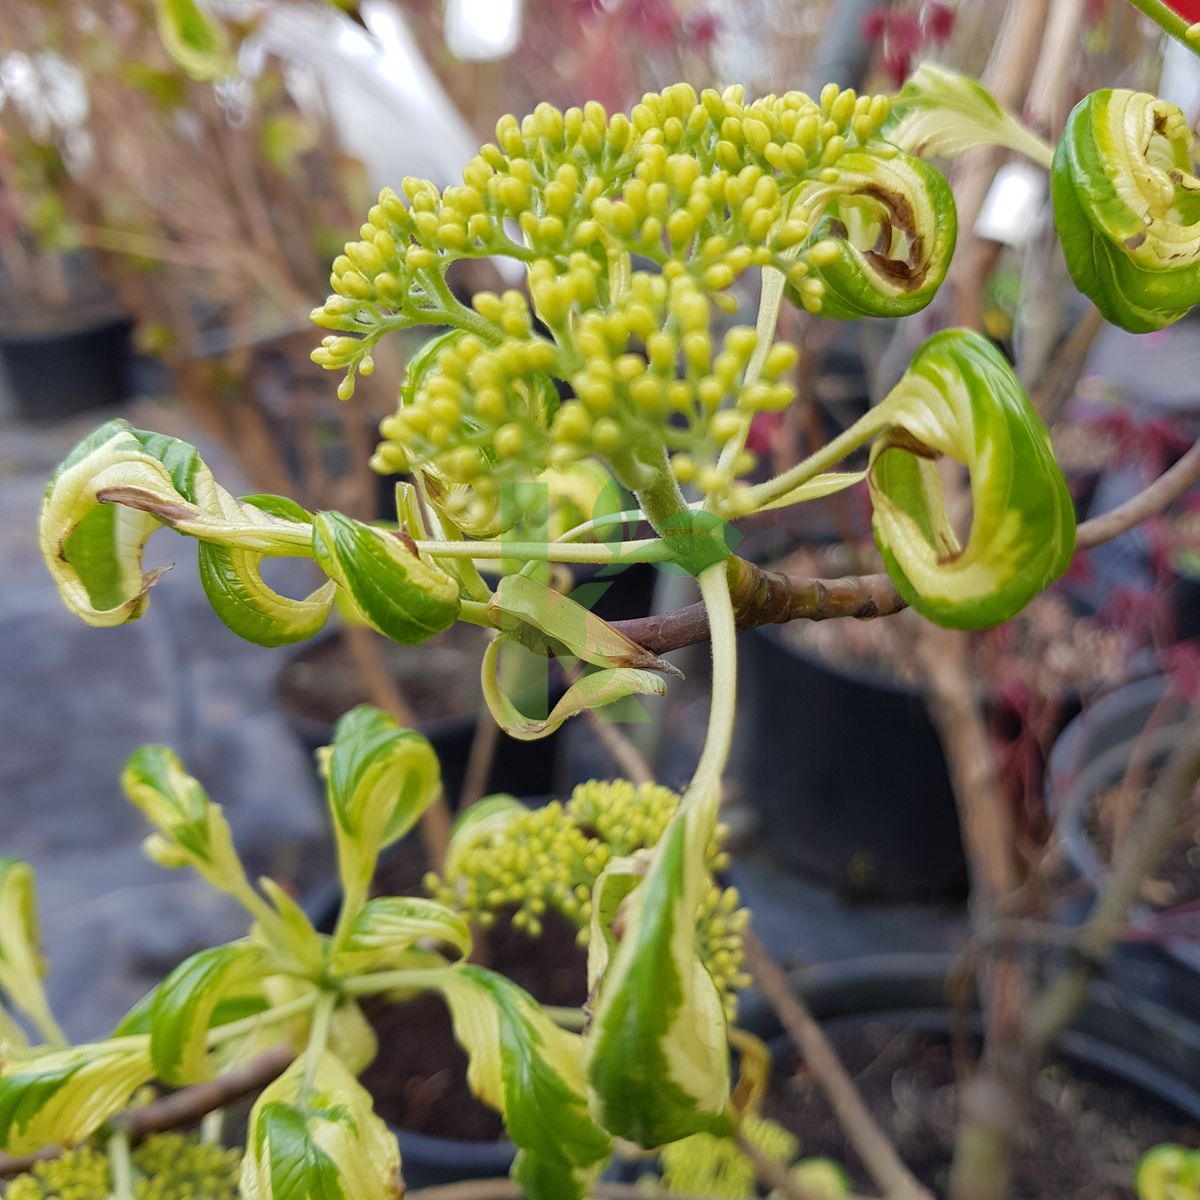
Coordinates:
<point>380,778</point>
<point>942,113</point>
<point>193,39</point>
<point>594,690</point>
<point>21,964</point>
<point>190,829</point>
<point>119,485</point>
<point>961,399</point>
<point>657,1049</point>
<point>531,1071</point>
<point>546,621</point>
<point>185,1004</point>
<point>62,1096</point>
<point>1168,1172</point>
<point>890,224</point>
<point>403,596</point>
<point>1127,207</point>
<point>389,926</point>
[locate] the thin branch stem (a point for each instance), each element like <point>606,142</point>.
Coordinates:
<point>1166,489</point>
<point>869,1141</point>
<point>1134,860</point>
<point>644,550</point>
<point>625,754</point>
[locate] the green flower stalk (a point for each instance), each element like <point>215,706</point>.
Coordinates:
<point>506,856</point>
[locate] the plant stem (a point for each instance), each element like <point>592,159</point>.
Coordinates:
<point>829,455</point>
<point>1168,487</point>
<point>280,1012</point>
<point>1169,21</point>
<point>645,550</point>
<point>565,1018</point>
<point>869,1141</point>
<point>705,787</point>
<point>120,1168</point>
<point>318,1035</point>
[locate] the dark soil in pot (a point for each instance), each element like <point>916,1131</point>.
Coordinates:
<point>440,681</point>
<point>1084,1135</point>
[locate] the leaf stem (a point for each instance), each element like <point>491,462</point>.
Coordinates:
<point>271,1016</point>
<point>318,1035</point>
<point>1170,22</point>
<point>865,428</point>
<point>643,550</point>
<point>120,1166</point>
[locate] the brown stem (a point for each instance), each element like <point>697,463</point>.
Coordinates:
<point>869,1141</point>
<point>1133,862</point>
<point>763,597</point>
<point>184,1107</point>
<point>626,755</point>
<point>480,758</point>
<point>1167,488</point>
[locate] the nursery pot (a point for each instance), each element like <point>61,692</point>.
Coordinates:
<point>847,774</point>
<point>420,1061</point>
<point>520,768</point>
<point>1091,756</point>
<point>57,375</point>
<point>1117,1040</point>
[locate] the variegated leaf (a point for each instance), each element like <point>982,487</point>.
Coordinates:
<point>185,1003</point>
<point>531,1071</point>
<point>319,1142</point>
<point>62,1096</point>
<point>380,778</point>
<point>386,929</point>
<point>396,591</point>
<point>119,485</point>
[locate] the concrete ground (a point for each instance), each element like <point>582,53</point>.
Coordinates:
<point>75,701</point>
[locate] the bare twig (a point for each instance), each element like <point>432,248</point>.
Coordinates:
<point>869,1141</point>
<point>1166,489</point>
<point>627,756</point>
<point>763,597</point>
<point>177,1109</point>
<point>1133,862</point>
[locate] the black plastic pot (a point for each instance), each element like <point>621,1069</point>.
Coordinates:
<point>61,374</point>
<point>1090,757</point>
<point>519,768</point>
<point>847,774</point>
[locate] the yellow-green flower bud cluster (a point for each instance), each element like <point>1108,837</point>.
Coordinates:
<point>476,417</point>
<point>167,1166</point>
<point>720,925</point>
<point>708,184</point>
<point>721,185</point>
<point>649,374</point>
<point>632,816</point>
<point>551,857</point>
<point>537,860</point>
